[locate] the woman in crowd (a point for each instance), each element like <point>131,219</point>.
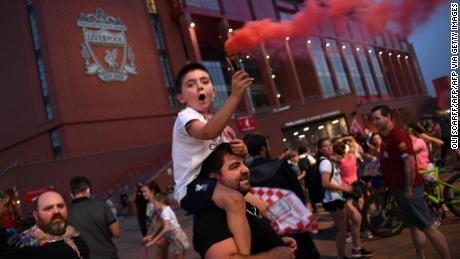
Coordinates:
<point>334,201</point>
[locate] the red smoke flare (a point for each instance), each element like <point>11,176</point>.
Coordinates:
<point>401,16</point>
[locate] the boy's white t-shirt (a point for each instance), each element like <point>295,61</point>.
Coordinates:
<point>326,167</point>
<point>168,214</point>
<point>188,153</point>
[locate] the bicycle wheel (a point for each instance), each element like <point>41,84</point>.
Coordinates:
<point>452,195</point>
<point>380,215</point>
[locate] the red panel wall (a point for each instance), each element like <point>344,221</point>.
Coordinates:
<point>22,113</point>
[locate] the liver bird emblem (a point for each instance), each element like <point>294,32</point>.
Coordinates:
<point>111,59</point>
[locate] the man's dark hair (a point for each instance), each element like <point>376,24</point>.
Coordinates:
<point>79,184</point>
<point>384,110</point>
<point>319,144</point>
<point>255,142</point>
<point>184,71</point>
<point>301,150</point>
<point>153,186</point>
<point>215,160</point>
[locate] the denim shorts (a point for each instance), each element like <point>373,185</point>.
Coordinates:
<point>199,196</point>
<point>414,211</point>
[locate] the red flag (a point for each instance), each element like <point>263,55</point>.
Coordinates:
<point>245,123</point>
<point>30,196</point>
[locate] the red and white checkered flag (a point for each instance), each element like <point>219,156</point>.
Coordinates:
<point>286,211</point>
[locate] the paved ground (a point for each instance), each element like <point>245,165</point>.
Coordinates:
<point>129,246</point>
<point>400,246</point>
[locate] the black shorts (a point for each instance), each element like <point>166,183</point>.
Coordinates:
<point>199,196</point>
<point>334,205</point>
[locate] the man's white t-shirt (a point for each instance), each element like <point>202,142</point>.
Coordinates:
<point>168,214</point>
<point>188,153</point>
<point>326,167</point>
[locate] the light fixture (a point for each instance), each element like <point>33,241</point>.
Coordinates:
<point>287,38</point>
<point>267,57</point>
<point>273,76</point>
<point>399,55</point>
<point>306,129</point>
<point>301,136</point>
<point>284,139</point>
<point>248,57</point>
<point>308,41</point>
<point>230,30</point>
<point>357,49</point>
<point>278,96</point>
<point>406,57</point>
<point>390,54</point>
<point>192,25</point>
<point>344,47</point>
<point>370,51</point>
<point>321,127</point>
<point>328,44</point>
<point>335,121</point>
<point>380,52</point>
<point>295,133</point>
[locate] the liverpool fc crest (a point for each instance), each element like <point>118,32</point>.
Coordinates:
<point>105,50</point>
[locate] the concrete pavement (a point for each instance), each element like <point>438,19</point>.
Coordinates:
<point>129,245</point>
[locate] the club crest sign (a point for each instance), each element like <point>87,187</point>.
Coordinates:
<point>105,50</point>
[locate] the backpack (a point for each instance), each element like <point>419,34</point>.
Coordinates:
<point>314,183</point>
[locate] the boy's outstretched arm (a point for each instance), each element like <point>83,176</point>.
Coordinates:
<point>214,127</point>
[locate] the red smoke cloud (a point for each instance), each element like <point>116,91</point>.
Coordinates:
<point>402,15</point>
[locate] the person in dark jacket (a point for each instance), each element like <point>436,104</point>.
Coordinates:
<point>267,172</point>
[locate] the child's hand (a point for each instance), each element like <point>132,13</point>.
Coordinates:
<point>240,81</point>
<point>239,148</point>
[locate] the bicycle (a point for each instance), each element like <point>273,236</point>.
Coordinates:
<point>380,213</point>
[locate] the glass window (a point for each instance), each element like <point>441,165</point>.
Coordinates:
<point>42,74</point>
<point>366,70</point>
<point>337,65</point>
<point>56,142</point>
<point>307,134</point>
<point>322,70</point>
<point>378,71</point>
<point>218,81</point>
<point>379,39</point>
<point>39,62</point>
<point>285,16</point>
<point>257,92</point>
<point>164,61</point>
<point>34,30</point>
<point>205,4</point>
<point>354,72</point>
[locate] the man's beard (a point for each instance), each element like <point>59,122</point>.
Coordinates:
<point>56,227</point>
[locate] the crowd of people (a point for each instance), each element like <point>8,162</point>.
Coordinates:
<point>214,172</point>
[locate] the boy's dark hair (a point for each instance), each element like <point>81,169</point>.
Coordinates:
<point>384,110</point>
<point>255,142</point>
<point>215,160</point>
<point>79,184</point>
<point>185,70</point>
